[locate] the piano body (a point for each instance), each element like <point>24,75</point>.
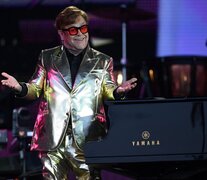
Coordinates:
<point>161,138</point>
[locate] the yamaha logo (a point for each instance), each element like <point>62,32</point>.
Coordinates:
<point>145,134</point>
<point>146,140</point>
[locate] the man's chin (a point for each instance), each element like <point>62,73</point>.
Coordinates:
<point>81,47</point>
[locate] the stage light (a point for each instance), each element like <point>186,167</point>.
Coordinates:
<point>23,122</point>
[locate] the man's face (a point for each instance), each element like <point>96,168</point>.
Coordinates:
<point>75,42</point>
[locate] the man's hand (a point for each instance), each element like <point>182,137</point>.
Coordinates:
<point>11,82</point>
<point>127,86</point>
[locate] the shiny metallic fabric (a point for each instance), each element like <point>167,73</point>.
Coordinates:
<point>61,101</point>
<point>56,164</point>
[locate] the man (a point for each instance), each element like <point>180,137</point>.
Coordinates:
<point>73,80</point>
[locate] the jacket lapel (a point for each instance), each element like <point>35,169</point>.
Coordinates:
<point>87,65</point>
<point>60,61</point>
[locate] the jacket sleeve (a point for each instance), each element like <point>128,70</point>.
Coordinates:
<point>36,83</point>
<point>109,84</point>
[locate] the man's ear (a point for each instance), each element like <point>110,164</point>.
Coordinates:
<point>61,34</point>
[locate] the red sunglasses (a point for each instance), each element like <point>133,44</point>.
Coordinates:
<point>74,30</point>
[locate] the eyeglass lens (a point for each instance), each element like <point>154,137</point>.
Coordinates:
<point>74,30</point>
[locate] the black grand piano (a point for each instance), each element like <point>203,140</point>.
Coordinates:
<point>159,138</point>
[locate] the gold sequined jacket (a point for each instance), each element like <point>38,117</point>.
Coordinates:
<point>61,101</point>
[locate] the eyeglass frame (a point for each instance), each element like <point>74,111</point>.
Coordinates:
<point>76,28</point>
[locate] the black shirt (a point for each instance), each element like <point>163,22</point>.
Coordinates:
<point>74,62</point>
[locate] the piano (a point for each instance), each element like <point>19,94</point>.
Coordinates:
<point>159,138</point>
